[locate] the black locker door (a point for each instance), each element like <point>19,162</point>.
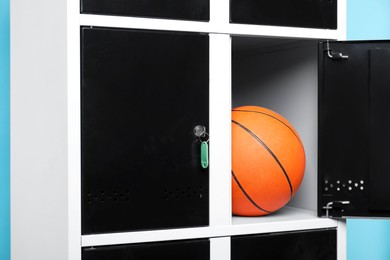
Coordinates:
<point>354,129</point>
<point>142,94</point>
<point>180,250</point>
<point>297,245</point>
<point>291,13</point>
<point>198,10</point>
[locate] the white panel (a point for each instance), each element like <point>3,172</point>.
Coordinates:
<point>287,219</point>
<point>220,248</point>
<point>74,127</point>
<point>220,133</point>
<point>219,12</point>
<point>341,20</point>
<point>39,213</point>
<point>342,240</point>
<point>213,27</point>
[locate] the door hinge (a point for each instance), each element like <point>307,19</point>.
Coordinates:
<point>333,54</point>
<point>335,209</point>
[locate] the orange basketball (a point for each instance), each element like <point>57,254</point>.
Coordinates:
<point>268,161</point>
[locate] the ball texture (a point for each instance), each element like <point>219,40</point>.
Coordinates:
<point>268,161</point>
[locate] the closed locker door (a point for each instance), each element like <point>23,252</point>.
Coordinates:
<point>180,250</point>
<point>297,245</point>
<point>198,10</point>
<point>142,95</point>
<point>291,13</point>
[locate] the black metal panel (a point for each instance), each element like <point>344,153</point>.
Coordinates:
<point>292,13</point>
<point>172,9</point>
<point>188,250</point>
<point>300,245</point>
<point>349,118</point>
<point>379,179</point>
<point>142,94</point>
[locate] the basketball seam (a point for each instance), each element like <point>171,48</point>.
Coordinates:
<point>247,195</point>
<point>263,113</point>
<point>270,152</point>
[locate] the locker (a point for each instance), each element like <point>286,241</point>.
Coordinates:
<point>297,245</point>
<point>198,10</point>
<point>140,102</point>
<point>291,13</point>
<point>191,250</point>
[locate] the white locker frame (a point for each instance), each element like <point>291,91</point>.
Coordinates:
<point>45,132</point>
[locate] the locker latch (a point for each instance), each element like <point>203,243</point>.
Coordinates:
<point>333,54</point>
<point>337,208</point>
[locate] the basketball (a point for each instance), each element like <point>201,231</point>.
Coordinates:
<point>268,161</point>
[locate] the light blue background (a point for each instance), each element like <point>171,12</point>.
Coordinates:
<point>4,131</point>
<point>368,239</point>
<point>368,19</point>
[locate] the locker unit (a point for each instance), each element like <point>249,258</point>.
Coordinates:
<point>121,128</point>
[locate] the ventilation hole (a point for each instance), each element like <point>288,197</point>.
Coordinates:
<point>181,193</point>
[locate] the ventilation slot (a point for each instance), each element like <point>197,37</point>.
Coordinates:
<point>104,196</point>
<point>184,193</point>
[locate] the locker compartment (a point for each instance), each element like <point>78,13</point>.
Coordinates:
<point>353,135</point>
<point>291,13</point>
<point>179,250</point>
<point>141,99</point>
<point>299,245</point>
<point>280,74</point>
<point>198,10</point>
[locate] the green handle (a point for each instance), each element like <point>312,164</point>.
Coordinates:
<point>204,155</point>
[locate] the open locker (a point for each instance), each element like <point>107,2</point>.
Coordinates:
<point>280,74</point>
<point>344,87</point>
